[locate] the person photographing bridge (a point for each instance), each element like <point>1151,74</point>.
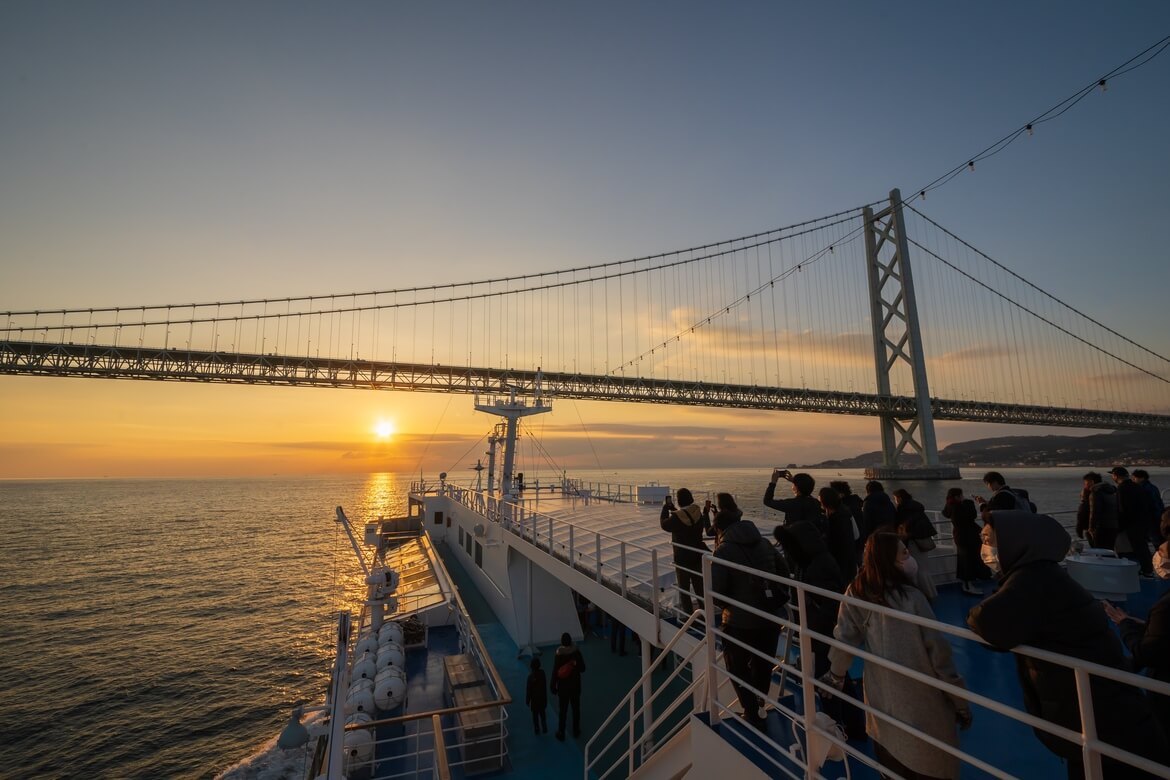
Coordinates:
<point>802,506</point>
<point>686,525</point>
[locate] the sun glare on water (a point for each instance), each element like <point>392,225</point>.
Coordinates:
<point>384,429</point>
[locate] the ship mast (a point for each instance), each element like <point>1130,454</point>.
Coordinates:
<point>511,408</point>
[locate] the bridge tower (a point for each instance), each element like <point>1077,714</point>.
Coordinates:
<point>897,345</point>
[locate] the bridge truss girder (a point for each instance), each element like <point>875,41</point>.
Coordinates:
<point>114,362</point>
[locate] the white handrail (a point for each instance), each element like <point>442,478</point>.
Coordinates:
<point>637,686</point>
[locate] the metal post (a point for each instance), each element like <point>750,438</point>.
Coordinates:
<point>550,536</point>
<point>806,685</point>
<point>709,616</point>
<point>597,538</point>
<point>647,693</point>
<point>630,753</point>
<point>1091,757</point>
<point>655,597</point>
<point>623,559</point>
<point>572,547</point>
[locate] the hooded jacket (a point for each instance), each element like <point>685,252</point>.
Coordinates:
<point>742,544</point>
<point>686,525</point>
<point>1098,509</point>
<point>878,511</point>
<point>1038,604</point>
<point>813,565</point>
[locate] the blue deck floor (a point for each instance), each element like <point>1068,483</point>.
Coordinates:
<point>1007,744</point>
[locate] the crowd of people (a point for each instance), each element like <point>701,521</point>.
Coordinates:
<point>875,549</point>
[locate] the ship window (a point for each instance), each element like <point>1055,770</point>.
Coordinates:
<point>438,518</point>
<point>479,555</point>
<point>468,545</point>
<point>460,536</point>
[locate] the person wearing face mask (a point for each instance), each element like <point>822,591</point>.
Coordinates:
<point>1149,640</point>
<point>886,578</point>
<point>1038,604</point>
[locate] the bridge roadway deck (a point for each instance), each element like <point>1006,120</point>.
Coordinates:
<point>117,362</point>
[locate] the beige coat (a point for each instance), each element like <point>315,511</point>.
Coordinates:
<point>921,649</point>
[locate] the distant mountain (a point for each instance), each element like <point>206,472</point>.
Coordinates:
<point>1144,448</point>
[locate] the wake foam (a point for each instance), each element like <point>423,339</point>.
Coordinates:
<point>270,762</point>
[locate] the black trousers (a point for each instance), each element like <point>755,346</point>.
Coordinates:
<point>539,720</point>
<point>749,667</point>
<point>1136,533</point>
<point>886,759</point>
<point>688,583</point>
<point>571,698</point>
<point>1102,538</point>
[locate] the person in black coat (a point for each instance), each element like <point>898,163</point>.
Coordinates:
<point>686,526</point>
<point>877,510</point>
<point>802,506</point>
<point>1038,604</point>
<point>852,502</point>
<point>1133,508</point>
<point>536,697</point>
<point>969,566</point>
<point>839,532</point>
<point>741,543</point>
<point>1097,512</point>
<point>917,532</point>
<point>568,666</point>
<point>813,565</point>
<point>1149,640</point>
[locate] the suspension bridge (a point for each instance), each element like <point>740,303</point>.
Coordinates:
<point>825,316</point>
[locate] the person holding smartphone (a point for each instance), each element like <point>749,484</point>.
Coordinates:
<point>803,506</point>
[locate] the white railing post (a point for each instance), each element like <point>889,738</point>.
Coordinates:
<point>631,732</point>
<point>709,617</point>
<point>654,606</point>
<point>572,548</point>
<point>623,561</point>
<point>1091,757</point>
<point>597,538</point>
<point>809,693</point>
<point>550,535</point>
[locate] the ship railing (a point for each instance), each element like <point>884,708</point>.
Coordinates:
<point>607,559</point>
<point>789,759</point>
<point>644,729</point>
<point>420,750</point>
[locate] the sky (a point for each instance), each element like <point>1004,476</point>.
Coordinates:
<point>171,152</point>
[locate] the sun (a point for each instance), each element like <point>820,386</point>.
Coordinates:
<point>384,429</point>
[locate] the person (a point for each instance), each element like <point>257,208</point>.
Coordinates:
<point>1039,604</point>
<point>536,697</point>
<point>1155,503</point>
<point>1097,512</point>
<point>886,578</point>
<point>812,564</point>
<point>802,506</point>
<point>742,544</point>
<point>686,526</point>
<point>916,530</point>
<point>1132,511</point>
<point>568,666</point>
<point>839,533</point>
<point>969,567</point>
<point>1002,496</point>
<point>1148,640</point>
<point>853,503</point>
<point>877,510</point>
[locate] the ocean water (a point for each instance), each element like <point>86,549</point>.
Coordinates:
<point>166,628</point>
